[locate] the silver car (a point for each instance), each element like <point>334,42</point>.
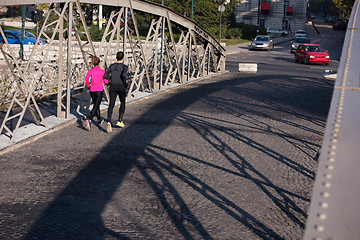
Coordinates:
<point>300,33</point>
<point>297,41</point>
<point>262,43</point>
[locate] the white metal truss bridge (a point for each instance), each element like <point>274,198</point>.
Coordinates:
<point>59,67</point>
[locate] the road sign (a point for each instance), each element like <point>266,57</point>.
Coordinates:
<point>221,8</point>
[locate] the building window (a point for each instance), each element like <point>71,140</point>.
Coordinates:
<point>262,22</point>
<point>247,20</point>
<point>247,6</point>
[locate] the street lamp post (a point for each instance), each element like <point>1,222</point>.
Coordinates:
<point>221,10</point>
<point>192,10</point>
<point>258,16</point>
<point>284,18</point>
<point>21,52</point>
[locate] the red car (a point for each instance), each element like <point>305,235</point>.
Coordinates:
<point>312,53</point>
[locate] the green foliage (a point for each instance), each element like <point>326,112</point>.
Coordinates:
<point>345,5</point>
<point>233,33</point>
<point>96,34</point>
<point>207,15</point>
<point>249,32</point>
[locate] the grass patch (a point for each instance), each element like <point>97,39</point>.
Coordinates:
<point>229,42</point>
<point>16,28</point>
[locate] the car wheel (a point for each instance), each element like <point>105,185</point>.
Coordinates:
<point>326,64</point>
<point>296,59</point>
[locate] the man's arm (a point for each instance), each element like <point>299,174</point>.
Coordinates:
<point>107,74</point>
<point>124,75</point>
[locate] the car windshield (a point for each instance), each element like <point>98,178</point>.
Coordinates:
<point>314,49</point>
<point>29,34</point>
<point>262,38</point>
<point>302,40</point>
<point>300,32</point>
<point>18,34</point>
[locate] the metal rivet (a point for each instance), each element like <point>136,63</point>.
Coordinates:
<point>330,167</point>
<point>319,228</point>
<point>327,184</point>
<point>332,153</point>
<point>333,147</point>
<point>328,175</point>
<point>325,194</point>
<point>322,216</point>
<point>331,159</point>
<point>334,140</point>
<point>324,204</point>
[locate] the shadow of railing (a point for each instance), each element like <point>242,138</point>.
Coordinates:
<point>134,161</point>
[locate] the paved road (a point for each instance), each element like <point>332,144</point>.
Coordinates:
<point>229,157</point>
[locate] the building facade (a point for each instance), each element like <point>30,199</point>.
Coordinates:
<point>284,14</point>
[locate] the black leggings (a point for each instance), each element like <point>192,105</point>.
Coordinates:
<point>96,97</point>
<point>116,91</point>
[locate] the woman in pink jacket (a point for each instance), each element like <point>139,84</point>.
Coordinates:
<point>94,81</point>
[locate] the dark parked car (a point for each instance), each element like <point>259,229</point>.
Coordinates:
<point>340,24</point>
<point>14,37</point>
<point>330,19</point>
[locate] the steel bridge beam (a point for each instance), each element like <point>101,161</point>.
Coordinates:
<point>63,62</point>
<point>334,210</point>
<point>139,5</point>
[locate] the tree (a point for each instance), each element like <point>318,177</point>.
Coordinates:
<point>345,6</point>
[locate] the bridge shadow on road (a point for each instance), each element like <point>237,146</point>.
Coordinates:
<point>138,188</point>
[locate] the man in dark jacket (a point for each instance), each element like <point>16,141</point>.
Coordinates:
<point>117,76</point>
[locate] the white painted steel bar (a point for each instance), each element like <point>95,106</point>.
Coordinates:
<point>139,5</point>
<point>143,56</point>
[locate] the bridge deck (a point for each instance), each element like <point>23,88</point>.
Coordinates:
<point>224,157</point>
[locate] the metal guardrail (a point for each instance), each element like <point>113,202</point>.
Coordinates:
<point>159,62</point>
<point>334,210</point>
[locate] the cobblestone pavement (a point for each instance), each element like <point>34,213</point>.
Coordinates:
<point>228,157</point>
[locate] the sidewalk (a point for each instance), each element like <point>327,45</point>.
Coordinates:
<point>29,132</point>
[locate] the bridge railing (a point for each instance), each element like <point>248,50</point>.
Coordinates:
<point>157,61</point>
<point>334,211</point>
